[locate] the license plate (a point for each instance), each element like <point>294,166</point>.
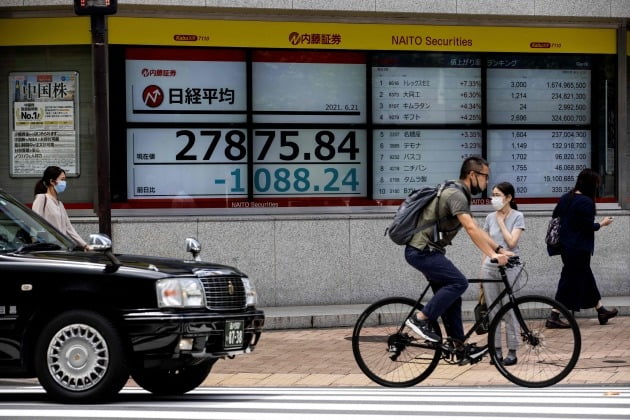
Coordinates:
<point>234,332</point>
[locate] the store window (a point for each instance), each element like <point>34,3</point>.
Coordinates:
<point>230,128</point>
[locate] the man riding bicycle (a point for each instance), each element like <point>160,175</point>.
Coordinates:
<point>426,252</point>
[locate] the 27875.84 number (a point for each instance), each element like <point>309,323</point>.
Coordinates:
<point>235,149</point>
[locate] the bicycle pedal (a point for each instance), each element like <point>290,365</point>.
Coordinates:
<point>475,361</point>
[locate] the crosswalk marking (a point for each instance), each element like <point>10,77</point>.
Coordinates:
<point>557,403</point>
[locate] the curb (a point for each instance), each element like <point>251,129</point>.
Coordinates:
<point>331,316</point>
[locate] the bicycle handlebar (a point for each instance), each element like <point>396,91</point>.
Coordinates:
<point>512,261</point>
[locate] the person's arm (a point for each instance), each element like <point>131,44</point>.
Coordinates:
<point>511,237</point>
<point>584,216</point>
<point>71,232</point>
<point>38,204</point>
<point>486,229</point>
<point>606,221</point>
<point>482,240</point>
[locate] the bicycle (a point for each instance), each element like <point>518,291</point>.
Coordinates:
<point>390,354</point>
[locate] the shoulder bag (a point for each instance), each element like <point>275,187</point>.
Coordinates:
<point>481,309</point>
<point>552,238</point>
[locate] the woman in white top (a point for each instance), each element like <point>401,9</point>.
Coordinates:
<point>48,205</point>
<point>505,226</point>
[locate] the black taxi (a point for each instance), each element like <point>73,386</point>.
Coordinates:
<point>83,322</point>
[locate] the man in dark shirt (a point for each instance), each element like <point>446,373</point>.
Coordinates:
<point>426,252</point>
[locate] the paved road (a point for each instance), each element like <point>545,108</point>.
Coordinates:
<point>593,403</point>
<point>323,357</point>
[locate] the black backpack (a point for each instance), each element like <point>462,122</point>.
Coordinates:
<point>405,223</point>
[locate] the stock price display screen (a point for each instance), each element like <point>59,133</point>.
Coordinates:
<point>537,96</point>
<point>407,159</point>
<point>539,163</point>
<point>407,89</point>
<point>320,88</point>
<point>417,90</point>
<point>314,92</point>
<point>308,87</point>
<point>165,85</point>
<point>305,131</point>
<point>310,162</point>
<point>187,162</point>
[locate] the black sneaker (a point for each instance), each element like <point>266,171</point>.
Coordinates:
<point>423,329</point>
<point>471,354</point>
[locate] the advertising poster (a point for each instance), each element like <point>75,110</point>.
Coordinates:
<point>43,122</point>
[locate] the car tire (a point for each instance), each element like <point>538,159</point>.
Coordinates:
<point>80,358</point>
<point>173,381</point>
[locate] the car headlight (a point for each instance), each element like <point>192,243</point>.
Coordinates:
<point>251,298</point>
<point>180,293</point>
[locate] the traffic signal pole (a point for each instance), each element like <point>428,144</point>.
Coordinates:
<point>101,118</point>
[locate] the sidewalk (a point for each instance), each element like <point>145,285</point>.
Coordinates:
<point>325,316</point>
<point>322,357</point>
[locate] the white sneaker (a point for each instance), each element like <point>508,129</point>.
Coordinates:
<point>423,329</point>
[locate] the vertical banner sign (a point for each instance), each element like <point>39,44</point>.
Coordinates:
<point>43,122</point>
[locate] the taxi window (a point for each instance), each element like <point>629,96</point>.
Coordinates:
<point>19,226</point>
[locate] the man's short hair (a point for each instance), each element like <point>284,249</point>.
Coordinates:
<point>472,163</point>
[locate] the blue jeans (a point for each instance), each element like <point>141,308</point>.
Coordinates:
<point>448,285</point>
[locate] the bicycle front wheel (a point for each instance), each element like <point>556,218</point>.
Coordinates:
<point>387,351</point>
<point>544,356</point>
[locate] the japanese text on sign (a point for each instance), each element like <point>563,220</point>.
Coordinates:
<point>407,159</point>
<point>43,123</point>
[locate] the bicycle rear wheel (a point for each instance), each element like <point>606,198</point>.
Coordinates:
<point>545,356</point>
<point>387,355</point>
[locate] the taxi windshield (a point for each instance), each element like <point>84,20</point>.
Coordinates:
<point>21,230</point>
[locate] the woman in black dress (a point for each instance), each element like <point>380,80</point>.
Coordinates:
<point>577,288</point>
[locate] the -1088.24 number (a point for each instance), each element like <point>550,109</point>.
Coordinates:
<point>285,180</point>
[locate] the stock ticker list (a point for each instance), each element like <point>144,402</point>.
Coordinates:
<point>539,162</point>
<point>405,158</point>
<point>537,124</point>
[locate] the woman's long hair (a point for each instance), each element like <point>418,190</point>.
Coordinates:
<point>507,189</point>
<point>50,174</point>
<point>587,183</point>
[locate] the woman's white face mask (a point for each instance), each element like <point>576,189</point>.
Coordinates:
<point>497,203</point>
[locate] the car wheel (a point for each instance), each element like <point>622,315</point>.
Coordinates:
<point>79,357</point>
<point>173,381</point>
